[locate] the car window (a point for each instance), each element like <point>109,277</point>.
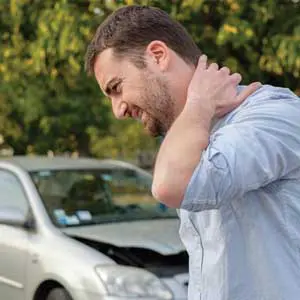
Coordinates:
<point>128,187</point>
<point>11,192</point>
<point>76,197</point>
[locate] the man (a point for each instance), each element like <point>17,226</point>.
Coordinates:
<point>231,166</point>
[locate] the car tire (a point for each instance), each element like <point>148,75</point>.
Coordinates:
<point>58,294</point>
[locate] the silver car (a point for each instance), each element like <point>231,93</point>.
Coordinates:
<point>86,229</point>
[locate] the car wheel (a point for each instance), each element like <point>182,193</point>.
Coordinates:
<point>58,294</point>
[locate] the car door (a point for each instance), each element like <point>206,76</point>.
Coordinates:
<point>13,240</point>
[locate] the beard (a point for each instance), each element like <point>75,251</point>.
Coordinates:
<point>158,105</point>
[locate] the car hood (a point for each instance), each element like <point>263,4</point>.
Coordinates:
<point>158,235</point>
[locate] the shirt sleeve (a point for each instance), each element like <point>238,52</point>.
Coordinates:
<point>261,145</point>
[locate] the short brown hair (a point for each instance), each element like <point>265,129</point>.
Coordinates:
<point>130,29</point>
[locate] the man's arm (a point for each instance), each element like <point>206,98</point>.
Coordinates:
<point>177,158</point>
<point>212,92</point>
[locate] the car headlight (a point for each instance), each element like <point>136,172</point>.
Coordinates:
<point>132,282</point>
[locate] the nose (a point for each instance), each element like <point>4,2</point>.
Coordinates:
<point>119,108</point>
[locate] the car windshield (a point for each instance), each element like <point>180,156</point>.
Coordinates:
<point>89,196</point>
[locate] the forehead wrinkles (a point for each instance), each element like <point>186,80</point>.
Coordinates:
<point>115,68</point>
<point>105,64</point>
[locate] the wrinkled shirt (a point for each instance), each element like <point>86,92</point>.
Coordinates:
<point>240,216</point>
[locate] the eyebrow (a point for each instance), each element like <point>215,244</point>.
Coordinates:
<point>108,86</point>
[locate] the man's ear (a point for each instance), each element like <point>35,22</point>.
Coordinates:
<point>159,53</point>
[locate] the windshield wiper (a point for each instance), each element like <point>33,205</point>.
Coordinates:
<point>128,208</point>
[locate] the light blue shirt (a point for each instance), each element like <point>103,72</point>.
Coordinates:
<point>240,217</point>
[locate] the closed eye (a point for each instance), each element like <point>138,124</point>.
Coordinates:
<point>113,86</point>
<point>116,88</point>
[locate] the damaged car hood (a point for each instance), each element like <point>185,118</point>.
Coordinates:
<point>158,235</point>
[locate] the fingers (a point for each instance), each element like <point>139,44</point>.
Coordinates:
<point>201,67</point>
<point>213,66</point>
<point>247,91</point>
<point>202,62</point>
<point>213,88</point>
<point>225,71</point>
<point>236,78</point>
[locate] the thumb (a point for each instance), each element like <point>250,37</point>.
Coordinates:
<point>247,91</point>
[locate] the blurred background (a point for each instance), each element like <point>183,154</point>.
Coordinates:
<point>49,106</point>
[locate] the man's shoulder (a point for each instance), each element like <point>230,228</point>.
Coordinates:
<point>267,101</point>
<point>268,91</point>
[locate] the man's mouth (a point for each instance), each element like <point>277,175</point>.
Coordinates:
<point>137,114</point>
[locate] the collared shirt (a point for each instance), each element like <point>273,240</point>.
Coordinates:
<point>240,216</point>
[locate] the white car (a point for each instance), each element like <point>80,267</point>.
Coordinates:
<point>86,229</point>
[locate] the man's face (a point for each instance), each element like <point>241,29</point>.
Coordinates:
<point>137,93</point>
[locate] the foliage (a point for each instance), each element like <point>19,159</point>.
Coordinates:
<point>48,103</point>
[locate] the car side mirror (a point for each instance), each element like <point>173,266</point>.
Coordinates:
<point>12,216</point>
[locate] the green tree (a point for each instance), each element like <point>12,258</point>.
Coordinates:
<point>48,103</point>
<point>41,70</point>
